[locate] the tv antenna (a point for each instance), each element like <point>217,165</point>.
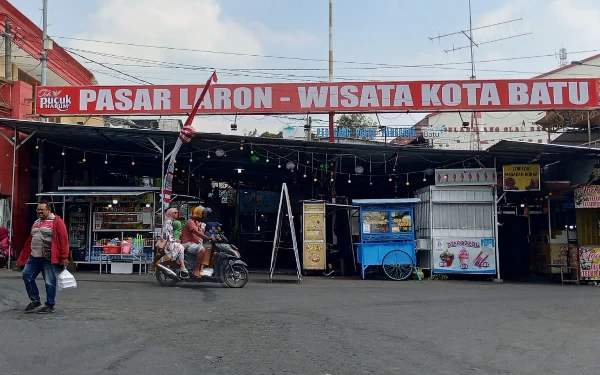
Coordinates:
<point>469,34</point>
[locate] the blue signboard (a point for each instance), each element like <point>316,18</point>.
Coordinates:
<point>371,132</point>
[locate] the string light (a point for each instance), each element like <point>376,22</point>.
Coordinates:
<point>133,161</point>
<point>424,177</point>
<point>37,146</point>
<point>349,179</point>
<point>191,158</point>
<point>407,182</point>
<point>63,152</point>
<point>267,159</point>
<point>304,172</point>
<point>84,157</point>
<point>390,179</point>
<point>315,179</point>
<point>370,181</point>
<point>106,159</point>
<point>279,165</point>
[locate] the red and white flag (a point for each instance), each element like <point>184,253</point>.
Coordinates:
<point>185,136</point>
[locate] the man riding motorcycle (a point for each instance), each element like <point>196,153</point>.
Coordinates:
<point>195,241</point>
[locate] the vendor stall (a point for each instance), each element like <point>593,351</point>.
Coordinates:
<point>587,205</point>
<point>387,236</point>
<point>456,226</point>
<point>109,223</point>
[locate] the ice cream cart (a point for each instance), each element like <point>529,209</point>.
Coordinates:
<point>387,236</point>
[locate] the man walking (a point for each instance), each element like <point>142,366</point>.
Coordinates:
<point>46,247</point>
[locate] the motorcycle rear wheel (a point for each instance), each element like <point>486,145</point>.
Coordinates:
<point>236,276</point>
<point>164,280</point>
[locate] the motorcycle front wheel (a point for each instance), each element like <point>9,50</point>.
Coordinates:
<point>236,276</point>
<point>164,280</point>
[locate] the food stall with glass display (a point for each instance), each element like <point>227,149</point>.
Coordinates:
<point>109,224</point>
<point>387,236</point>
<point>456,223</point>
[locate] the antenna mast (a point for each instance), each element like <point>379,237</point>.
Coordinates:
<point>474,133</point>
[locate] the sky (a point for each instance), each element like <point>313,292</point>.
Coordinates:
<point>287,40</point>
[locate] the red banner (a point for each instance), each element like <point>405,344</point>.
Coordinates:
<point>272,98</point>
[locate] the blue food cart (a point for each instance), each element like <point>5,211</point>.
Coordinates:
<point>387,236</point>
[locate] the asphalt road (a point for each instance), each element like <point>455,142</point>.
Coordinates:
<point>129,325</point>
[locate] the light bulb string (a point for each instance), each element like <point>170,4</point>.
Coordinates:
<point>286,157</point>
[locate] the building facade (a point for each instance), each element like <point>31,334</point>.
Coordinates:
<point>16,101</point>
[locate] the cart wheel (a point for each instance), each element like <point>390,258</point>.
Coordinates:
<point>397,265</point>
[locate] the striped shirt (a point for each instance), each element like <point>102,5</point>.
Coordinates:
<point>42,233</point>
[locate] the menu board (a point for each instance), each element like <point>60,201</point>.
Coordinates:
<point>375,222</point>
<point>401,222</point>
<point>313,248</point>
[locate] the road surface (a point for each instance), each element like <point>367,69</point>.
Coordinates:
<point>129,325</point>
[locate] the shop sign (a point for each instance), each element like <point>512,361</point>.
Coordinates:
<point>464,255</point>
<point>469,176</point>
<point>433,132</point>
<point>521,177</point>
<point>319,98</point>
<point>587,197</point>
<point>369,133</point>
<point>589,262</point>
<point>313,251</point>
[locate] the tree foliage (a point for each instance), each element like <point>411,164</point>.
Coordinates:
<point>355,121</point>
<point>272,135</point>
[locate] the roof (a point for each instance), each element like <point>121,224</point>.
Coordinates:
<point>119,148</point>
<point>578,138</point>
<point>541,151</point>
<point>386,201</point>
<point>562,68</point>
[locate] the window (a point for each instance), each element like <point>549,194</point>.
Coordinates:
<point>376,222</point>
<point>462,216</point>
<point>401,222</point>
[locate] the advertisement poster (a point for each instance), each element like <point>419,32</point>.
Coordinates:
<point>313,244</point>
<point>587,197</point>
<point>589,262</point>
<point>464,255</point>
<point>521,177</point>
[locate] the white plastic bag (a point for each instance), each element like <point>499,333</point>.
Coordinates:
<point>66,280</point>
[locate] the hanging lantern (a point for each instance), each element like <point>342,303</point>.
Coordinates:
<point>219,152</point>
<point>290,165</point>
<point>254,158</point>
<point>359,169</point>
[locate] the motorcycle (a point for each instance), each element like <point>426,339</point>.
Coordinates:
<point>229,269</point>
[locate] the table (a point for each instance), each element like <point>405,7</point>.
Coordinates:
<point>141,259</point>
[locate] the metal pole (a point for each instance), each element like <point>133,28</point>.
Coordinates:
<point>498,276</point>
<point>41,171</point>
<point>589,131</point>
<point>471,40</point>
<point>331,114</point>
<point>44,57</point>
<point>162,183</point>
<point>12,194</point>
<point>8,50</point>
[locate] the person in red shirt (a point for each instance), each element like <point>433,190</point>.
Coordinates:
<point>46,248</point>
<point>193,239</point>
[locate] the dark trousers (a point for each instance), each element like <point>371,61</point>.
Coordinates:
<point>32,269</point>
